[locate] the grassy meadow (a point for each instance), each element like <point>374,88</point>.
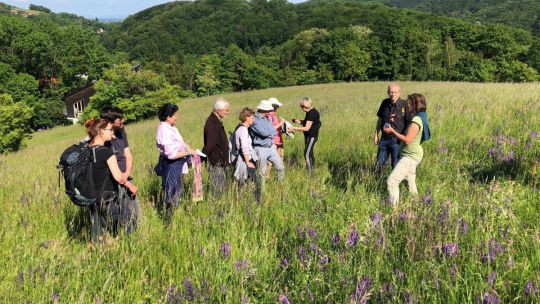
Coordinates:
<point>472,237</point>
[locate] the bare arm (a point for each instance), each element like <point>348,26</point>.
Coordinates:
<point>412,131</point>
<point>378,127</point>
<point>129,161</point>
<point>118,175</point>
<point>305,128</point>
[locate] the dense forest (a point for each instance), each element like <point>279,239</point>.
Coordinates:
<point>517,13</point>
<point>213,46</point>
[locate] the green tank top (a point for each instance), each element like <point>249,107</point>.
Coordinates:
<point>414,149</point>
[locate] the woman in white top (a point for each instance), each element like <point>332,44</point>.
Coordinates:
<point>174,154</point>
<point>245,162</point>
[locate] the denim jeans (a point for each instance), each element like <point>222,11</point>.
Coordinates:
<point>269,154</point>
<point>387,146</point>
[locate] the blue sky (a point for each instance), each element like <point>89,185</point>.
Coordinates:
<point>95,8</point>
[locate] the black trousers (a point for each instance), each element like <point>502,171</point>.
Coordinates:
<point>309,145</point>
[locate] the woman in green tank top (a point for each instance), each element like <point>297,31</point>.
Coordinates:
<point>411,150</point>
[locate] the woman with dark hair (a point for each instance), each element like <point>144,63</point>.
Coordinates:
<point>173,156</point>
<point>104,170</point>
<point>411,149</point>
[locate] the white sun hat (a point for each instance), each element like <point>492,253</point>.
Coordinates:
<point>265,105</point>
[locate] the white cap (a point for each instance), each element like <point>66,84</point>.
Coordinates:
<point>275,101</point>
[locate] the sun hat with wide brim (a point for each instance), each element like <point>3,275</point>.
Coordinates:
<point>265,105</point>
<point>275,101</point>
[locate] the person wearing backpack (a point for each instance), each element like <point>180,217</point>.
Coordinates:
<point>411,149</point>
<point>105,173</point>
<point>242,153</point>
<point>120,146</point>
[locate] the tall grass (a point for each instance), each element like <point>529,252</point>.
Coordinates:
<point>331,238</point>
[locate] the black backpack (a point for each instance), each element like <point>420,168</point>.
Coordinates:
<point>76,166</point>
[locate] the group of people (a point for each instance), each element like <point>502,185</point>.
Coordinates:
<point>255,146</point>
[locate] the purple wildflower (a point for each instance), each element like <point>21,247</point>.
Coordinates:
<point>512,141</point>
<point>427,198</point>
<point>463,225</point>
<point>494,249</point>
<point>448,249</point>
<point>301,254</point>
<point>241,265</point>
<point>225,250</point>
<point>97,300</point>
<point>174,296</point>
<point>311,297</point>
<point>490,297</point>
<point>189,291</point>
<point>408,298</point>
<point>353,237</point>
<point>335,239</point>
<point>312,232</point>
<point>284,263</point>
<point>56,298</point>
<point>313,246</point>
<point>528,145</point>
<point>323,261</point>
<point>398,273</point>
<point>361,293</point>
<point>403,216</point>
<point>245,299</point>
<point>492,152</point>
<point>283,299</point>
<point>530,289</point>
<point>388,289</point>
<point>376,218</point>
<point>301,233</point>
<point>510,157</point>
<point>490,280</point>
<point>534,134</point>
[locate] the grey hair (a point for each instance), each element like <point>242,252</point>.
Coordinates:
<point>221,104</point>
<point>306,102</point>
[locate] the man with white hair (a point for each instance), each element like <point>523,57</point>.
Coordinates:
<point>216,147</point>
<point>262,132</point>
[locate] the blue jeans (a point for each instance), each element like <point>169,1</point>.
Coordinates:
<point>387,146</point>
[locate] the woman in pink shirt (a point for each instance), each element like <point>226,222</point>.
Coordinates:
<point>174,154</point>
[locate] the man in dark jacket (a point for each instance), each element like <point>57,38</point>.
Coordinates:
<point>216,147</point>
<point>392,111</point>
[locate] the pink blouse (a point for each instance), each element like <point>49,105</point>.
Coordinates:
<point>278,140</point>
<point>169,142</point>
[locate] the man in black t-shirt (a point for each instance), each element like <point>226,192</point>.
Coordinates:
<point>392,111</point>
<point>120,146</point>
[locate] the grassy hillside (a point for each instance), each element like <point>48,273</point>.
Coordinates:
<point>327,239</point>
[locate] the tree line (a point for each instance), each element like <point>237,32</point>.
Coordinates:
<point>214,46</point>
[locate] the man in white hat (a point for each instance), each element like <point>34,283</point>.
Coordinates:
<point>278,124</point>
<point>262,132</point>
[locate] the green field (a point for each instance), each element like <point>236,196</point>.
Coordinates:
<point>301,243</point>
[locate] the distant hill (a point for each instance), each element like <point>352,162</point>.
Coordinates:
<point>40,13</point>
<point>206,26</point>
<point>517,13</point>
